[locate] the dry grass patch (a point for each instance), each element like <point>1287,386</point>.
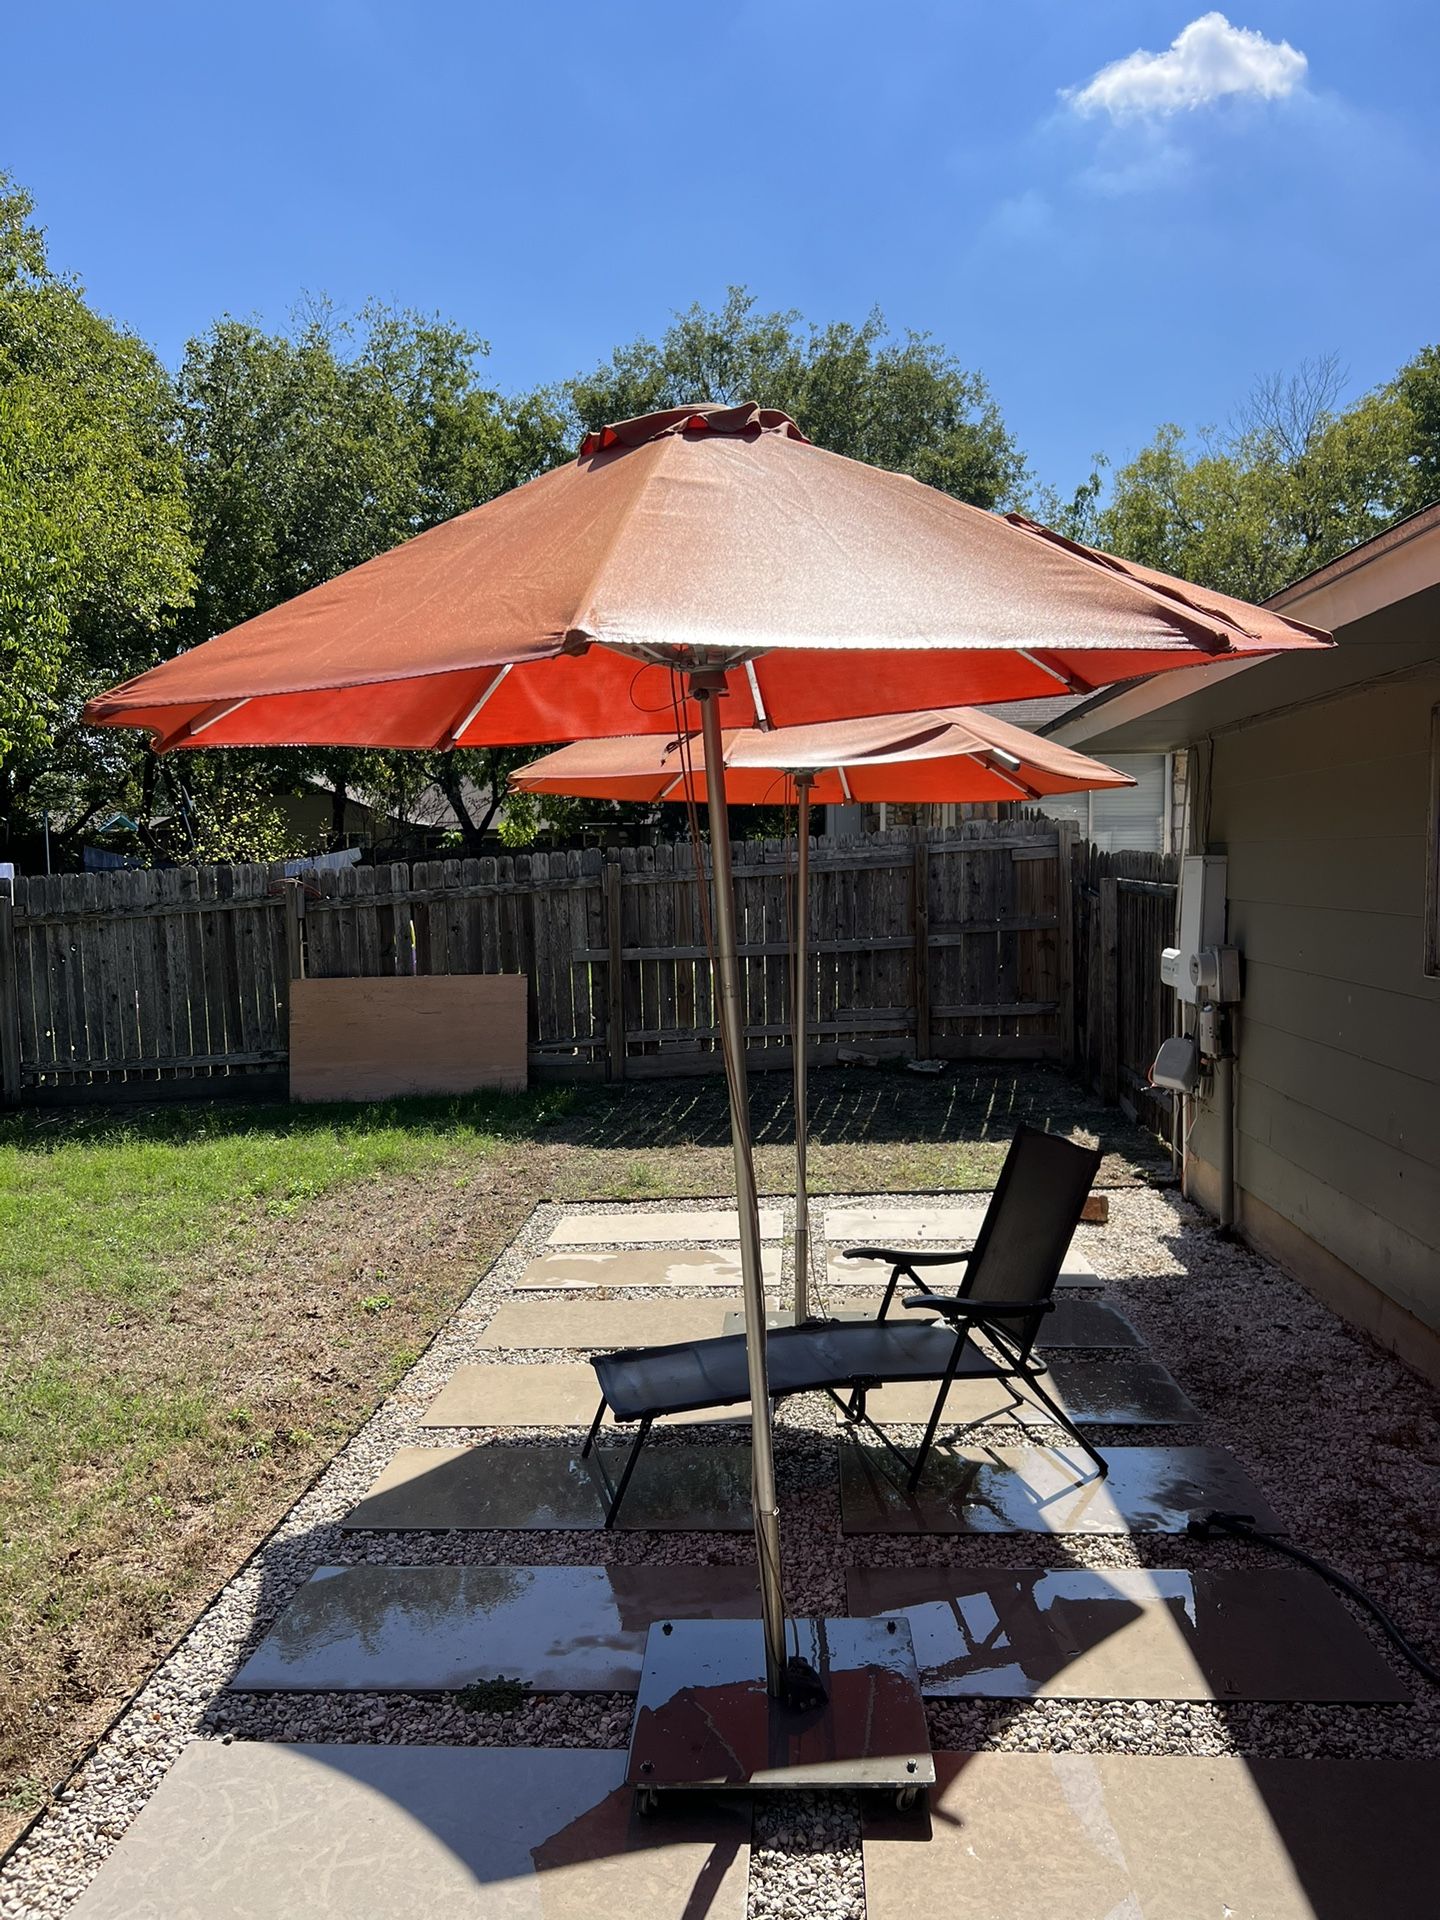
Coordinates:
<point>189,1343</point>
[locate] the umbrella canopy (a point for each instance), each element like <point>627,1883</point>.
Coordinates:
<point>701,536</point>
<point>941,755</point>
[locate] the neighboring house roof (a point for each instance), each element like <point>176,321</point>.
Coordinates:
<point>1381,600</point>
<point>1037,716</point>
<point>428,808</point>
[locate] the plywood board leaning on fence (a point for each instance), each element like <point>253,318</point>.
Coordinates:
<point>377,1038</point>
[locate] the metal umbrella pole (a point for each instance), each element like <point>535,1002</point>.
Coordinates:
<point>801,1023</point>
<point>706,689</point>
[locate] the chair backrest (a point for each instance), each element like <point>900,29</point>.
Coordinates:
<point>1033,1213</point>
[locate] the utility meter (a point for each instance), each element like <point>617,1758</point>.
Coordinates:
<point>1215,974</point>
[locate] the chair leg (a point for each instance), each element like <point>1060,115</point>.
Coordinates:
<point>619,1494</point>
<point>890,1292</point>
<point>1063,1419</point>
<point>855,1414</point>
<point>1016,1399</point>
<point>590,1437</point>
<point>918,1465</point>
<point>854,1408</point>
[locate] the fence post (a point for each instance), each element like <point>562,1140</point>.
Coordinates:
<point>1110,991</point>
<point>922,944</point>
<point>295,927</point>
<point>9,1003</point>
<point>614,975</point>
<point>1066,836</point>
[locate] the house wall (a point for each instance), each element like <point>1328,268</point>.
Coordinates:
<point>1322,812</point>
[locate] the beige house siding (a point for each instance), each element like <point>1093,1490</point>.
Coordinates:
<point>1322,812</point>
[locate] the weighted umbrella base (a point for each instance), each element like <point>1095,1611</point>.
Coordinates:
<point>703,1718</point>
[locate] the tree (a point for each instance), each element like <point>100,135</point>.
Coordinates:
<point>1417,388</point>
<point>1294,481</point>
<point>311,451</point>
<point>95,549</point>
<point>904,403</point>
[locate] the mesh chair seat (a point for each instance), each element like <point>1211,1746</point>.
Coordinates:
<point>709,1373</point>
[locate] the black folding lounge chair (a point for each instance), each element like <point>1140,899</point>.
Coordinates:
<point>1010,1276</point>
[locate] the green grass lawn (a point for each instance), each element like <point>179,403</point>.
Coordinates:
<point>102,1205</point>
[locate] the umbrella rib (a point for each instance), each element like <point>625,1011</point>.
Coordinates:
<point>214,719</point>
<point>453,735</point>
<point>210,718</point>
<point>1019,786</point>
<point>762,718</point>
<point>1067,680</point>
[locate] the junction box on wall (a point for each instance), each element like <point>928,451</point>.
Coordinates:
<point>1198,1062</point>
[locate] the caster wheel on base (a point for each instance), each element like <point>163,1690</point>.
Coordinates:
<point>906,1799</point>
<point>647,1799</point>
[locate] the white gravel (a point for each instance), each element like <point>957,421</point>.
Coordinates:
<point>1343,1440</point>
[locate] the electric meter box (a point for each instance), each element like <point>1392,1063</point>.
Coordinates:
<point>1202,921</point>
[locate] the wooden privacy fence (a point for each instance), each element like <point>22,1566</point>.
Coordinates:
<point>1124,906</point>
<point>138,984</point>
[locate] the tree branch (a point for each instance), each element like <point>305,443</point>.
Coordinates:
<point>453,787</point>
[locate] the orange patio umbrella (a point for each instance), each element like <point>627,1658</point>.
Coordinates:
<point>942,756</point>
<point>711,551</point>
<point>704,537</point>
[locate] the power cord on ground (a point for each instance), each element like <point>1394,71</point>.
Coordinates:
<point>1241,1526</point>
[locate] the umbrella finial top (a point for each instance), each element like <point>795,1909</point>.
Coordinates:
<point>704,417</point>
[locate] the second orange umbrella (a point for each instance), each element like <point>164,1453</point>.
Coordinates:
<point>936,757</point>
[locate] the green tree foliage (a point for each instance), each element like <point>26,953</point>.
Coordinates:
<point>94,543</point>
<point>311,451</point>
<point>1417,388</point>
<point>897,402</point>
<point>1294,481</point>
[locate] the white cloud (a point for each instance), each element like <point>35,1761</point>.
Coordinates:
<point>1206,61</point>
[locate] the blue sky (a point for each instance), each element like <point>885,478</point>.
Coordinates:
<point>1110,251</point>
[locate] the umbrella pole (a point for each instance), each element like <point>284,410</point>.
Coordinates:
<point>764,1503</point>
<point>801,1021</point>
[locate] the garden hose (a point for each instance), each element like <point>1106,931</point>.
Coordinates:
<point>1241,1526</point>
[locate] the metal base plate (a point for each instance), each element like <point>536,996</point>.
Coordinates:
<point>704,1718</point>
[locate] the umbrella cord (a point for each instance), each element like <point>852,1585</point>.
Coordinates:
<point>1239,1526</point>
<point>684,747</point>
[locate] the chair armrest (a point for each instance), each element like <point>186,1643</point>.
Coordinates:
<point>907,1257</point>
<point>956,1308</point>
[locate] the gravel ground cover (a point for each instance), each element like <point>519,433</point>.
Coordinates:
<point>1344,1441</point>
